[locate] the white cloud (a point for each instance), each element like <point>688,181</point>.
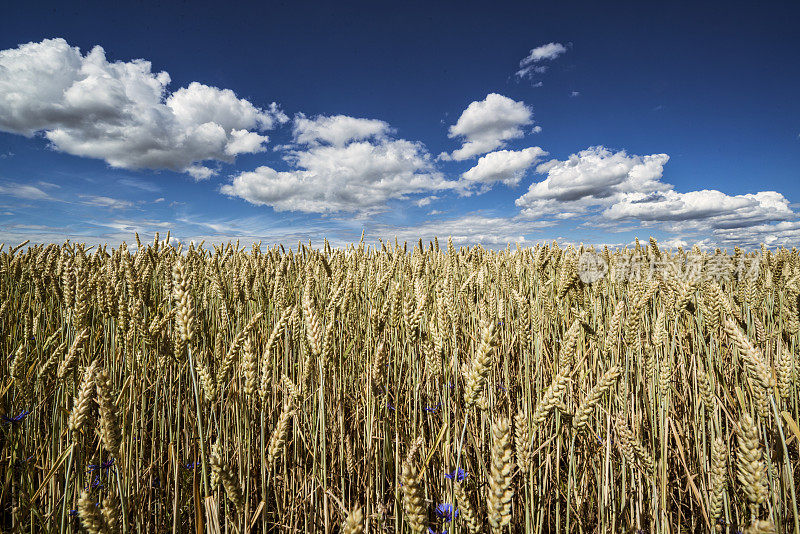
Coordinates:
<point>337,130</point>
<point>200,172</point>
<point>575,93</point>
<point>425,201</point>
<point>506,166</point>
<point>342,164</point>
<point>121,112</point>
<point>105,202</point>
<point>547,52</point>
<point>784,233</point>
<point>469,229</point>
<point>715,207</point>
<point>620,187</point>
<point>593,177</point>
<point>487,124</point>
<point>25,191</point>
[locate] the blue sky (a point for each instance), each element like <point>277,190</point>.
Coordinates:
<point>493,123</point>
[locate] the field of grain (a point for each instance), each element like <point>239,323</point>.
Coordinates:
<point>407,388</point>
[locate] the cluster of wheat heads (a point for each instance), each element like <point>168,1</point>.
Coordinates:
<point>397,389</point>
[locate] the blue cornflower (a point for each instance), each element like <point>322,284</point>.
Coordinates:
<point>73,513</point>
<point>389,406</point>
<point>601,441</point>
<point>434,408</point>
<point>431,531</point>
<point>191,465</point>
<point>459,476</point>
<point>96,483</point>
<point>446,512</point>
<point>501,387</point>
<point>103,466</point>
<point>13,419</point>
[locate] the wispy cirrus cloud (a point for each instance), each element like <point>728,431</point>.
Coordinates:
<point>24,191</point>
<point>105,202</point>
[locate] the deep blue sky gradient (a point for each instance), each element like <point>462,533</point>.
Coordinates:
<point>713,84</point>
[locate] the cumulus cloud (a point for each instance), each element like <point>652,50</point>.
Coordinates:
<point>595,176</point>
<point>783,233</point>
<point>342,164</point>
<point>547,52</point>
<point>720,209</point>
<point>337,130</point>
<point>487,124</point>
<point>506,166</point>
<point>200,172</point>
<point>425,201</point>
<point>122,113</point>
<point>621,187</point>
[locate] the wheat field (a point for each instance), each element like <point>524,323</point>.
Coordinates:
<point>400,388</point>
